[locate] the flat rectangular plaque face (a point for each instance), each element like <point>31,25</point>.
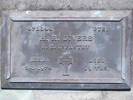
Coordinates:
<point>66,49</point>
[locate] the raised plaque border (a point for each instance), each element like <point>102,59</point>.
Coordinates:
<point>96,15</point>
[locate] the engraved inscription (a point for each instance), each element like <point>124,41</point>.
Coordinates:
<point>40,68</point>
<point>66,38</point>
<point>100,28</point>
<point>38,59</point>
<point>40,28</point>
<point>96,64</point>
<point>67,41</point>
<point>67,50</point>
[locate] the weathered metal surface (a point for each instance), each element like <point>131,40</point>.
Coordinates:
<point>66,49</point>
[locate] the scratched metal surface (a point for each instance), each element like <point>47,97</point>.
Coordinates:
<point>66,49</point>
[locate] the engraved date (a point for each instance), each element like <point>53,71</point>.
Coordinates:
<point>96,68</point>
<point>41,68</point>
<point>96,64</point>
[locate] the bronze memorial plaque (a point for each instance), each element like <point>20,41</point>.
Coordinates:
<point>66,50</point>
